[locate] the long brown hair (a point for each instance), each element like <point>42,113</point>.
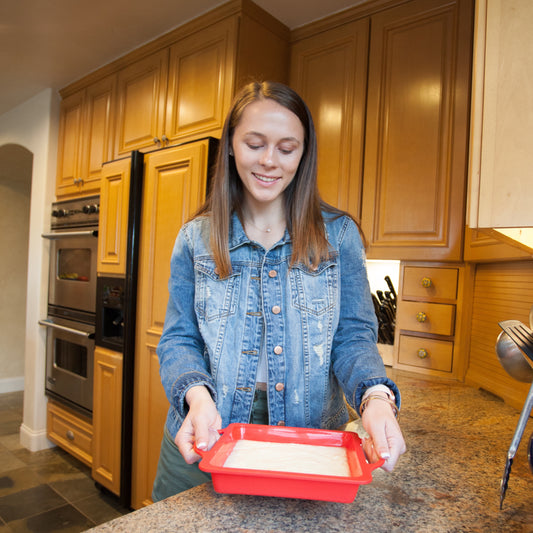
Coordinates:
<point>303,205</point>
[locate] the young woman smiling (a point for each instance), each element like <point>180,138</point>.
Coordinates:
<point>270,318</point>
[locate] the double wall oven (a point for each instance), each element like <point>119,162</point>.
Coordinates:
<point>70,320</point>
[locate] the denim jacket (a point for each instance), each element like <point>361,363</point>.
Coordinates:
<point>319,328</point>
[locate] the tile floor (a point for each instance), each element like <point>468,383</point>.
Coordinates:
<point>45,491</point>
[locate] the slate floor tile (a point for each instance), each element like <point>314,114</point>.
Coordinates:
<point>65,519</point>
<point>29,502</point>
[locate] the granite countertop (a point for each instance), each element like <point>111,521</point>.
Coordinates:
<point>448,481</point>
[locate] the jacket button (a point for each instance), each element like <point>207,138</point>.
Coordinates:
<point>272,274</point>
<point>278,350</point>
<point>279,387</point>
<point>281,423</point>
<point>276,309</point>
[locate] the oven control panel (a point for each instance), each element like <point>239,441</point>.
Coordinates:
<point>76,213</point>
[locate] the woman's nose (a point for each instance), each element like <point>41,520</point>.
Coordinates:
<point>267,157</point>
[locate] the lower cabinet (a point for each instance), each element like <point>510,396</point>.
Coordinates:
<point>430,319</point>
<point>107,411</point>
<point>70,431</point>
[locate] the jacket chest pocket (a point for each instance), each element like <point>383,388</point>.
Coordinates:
<point>215,298</point>
<point>314,291</point>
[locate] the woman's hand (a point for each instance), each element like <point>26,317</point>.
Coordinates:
<point>200,426</point>
<point>386,439</point>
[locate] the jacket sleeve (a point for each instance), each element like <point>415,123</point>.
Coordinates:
<point>356,361</point>
<point>181,348</point>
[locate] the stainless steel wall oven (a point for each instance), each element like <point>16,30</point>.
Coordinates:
<point>70,319</point>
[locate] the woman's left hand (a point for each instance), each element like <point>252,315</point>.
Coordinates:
<point>385,436</point>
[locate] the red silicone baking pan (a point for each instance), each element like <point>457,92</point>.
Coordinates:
<point>287,484</point>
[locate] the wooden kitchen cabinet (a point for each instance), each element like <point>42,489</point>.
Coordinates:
<point>417,130</point>
<point>183,91</point>
<point>113,220</point>
<point>107,418</point>
<point>174,187</point>
<point>142,88</point>
<point>430,319</point>
<point>85,137</point>
<point>200,85</point>
<point>329,71</point>
<point>389,92</point>
<point>70,431</point>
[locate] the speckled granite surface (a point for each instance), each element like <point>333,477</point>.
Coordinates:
<point>448,481</point>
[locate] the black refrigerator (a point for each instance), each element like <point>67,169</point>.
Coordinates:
<point>116,304</point>
<point>116,308</point>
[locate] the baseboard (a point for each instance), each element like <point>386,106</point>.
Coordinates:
<point>34,440</point>
<point>11,384</point>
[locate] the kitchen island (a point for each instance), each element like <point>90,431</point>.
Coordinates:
<point>448,481</point>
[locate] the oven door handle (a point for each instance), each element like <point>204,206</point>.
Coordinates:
<point>50,324</point>
<point>89,233</point>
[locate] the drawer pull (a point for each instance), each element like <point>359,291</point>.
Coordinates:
<point>421,316</point>
<point>423,353</point>
<point>426,282</point>
<point>70,435</point>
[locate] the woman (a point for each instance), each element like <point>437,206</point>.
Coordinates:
<point>270,318</point>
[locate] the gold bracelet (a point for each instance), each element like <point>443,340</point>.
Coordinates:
<point>395,409</point>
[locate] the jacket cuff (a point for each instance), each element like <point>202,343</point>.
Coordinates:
<point>364,385</point>
<point>184,383</point>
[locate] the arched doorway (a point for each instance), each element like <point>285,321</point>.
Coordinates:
<point>16,164</point>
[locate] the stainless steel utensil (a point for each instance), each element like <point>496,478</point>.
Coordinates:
<point>523,337</point>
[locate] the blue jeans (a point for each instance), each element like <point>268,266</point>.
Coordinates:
<point>174,475</point>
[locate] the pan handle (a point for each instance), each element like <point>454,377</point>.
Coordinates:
<point>201,453</point>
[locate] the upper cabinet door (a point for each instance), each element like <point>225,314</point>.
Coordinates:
<point>113,223</point>
<point>142,90</point>
<point>85,137</point>
<point>329,71</point>
<point>201,82</point>
<point>417,130</point>
<point>70,143</point>
<point>98,130</point>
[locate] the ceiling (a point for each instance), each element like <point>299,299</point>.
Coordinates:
<point>51,43</point>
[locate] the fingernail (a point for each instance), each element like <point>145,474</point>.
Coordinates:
<point>385,455</point>
<point>201,445</point>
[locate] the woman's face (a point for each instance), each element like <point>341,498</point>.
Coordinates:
<point>268,144</point>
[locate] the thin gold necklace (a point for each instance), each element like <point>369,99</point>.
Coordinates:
<point>267,230</point>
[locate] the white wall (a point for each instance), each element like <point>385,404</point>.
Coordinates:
<point>16,164</point>
<point>34,125</point>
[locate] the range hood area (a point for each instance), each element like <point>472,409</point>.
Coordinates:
<point>501,159</point>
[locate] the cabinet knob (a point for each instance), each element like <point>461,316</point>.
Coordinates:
<point>164,138</point>
<point>70,435</point>
<point>426,282</point>
<point>421,316</point>
<point>157,140</point>
<point>423,353</point>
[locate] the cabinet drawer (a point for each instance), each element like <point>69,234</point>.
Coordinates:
<point>430,283</point>
<point>425,353</point>
<point>425,317</point>
<point>71,432</point>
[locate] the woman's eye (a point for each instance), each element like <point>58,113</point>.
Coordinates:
<point>286,151</point>
<point>254,146</point>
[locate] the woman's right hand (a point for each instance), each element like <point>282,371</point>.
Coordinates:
<point>200,426</point>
